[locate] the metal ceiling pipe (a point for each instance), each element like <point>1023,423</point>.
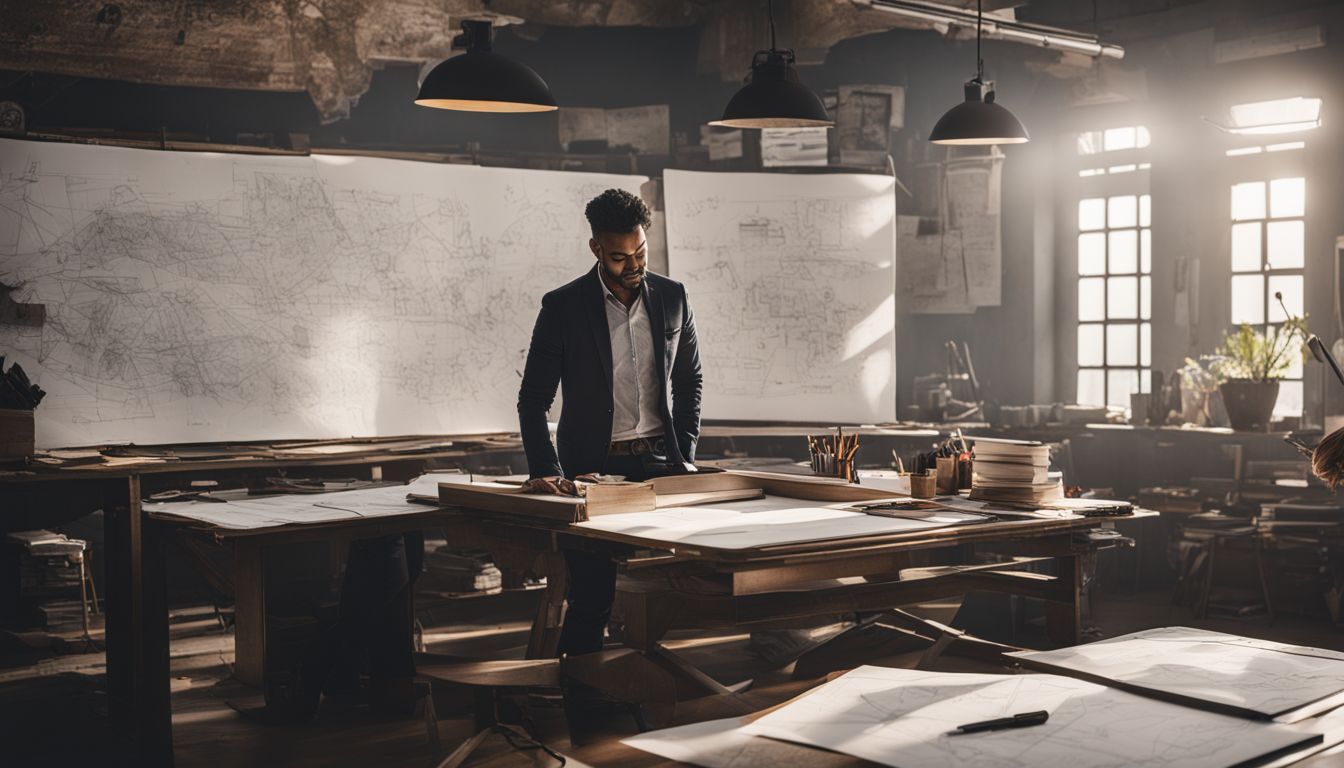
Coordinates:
<point>997,29</point>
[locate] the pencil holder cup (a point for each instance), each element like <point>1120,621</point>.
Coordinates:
<point>923,485</point>
<point>947,474</point>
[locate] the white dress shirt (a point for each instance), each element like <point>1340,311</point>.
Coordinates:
<point>634,377</point>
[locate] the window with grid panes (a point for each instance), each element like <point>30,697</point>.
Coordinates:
<point>1268,256</point>
<point>1114,268</point>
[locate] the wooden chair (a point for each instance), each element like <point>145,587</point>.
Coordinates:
<point>624,676</point>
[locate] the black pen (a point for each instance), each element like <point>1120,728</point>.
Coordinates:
<point>1016,721</point>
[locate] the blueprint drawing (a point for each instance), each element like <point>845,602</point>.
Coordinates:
<point>792,280</point>
<point>901,717</point>
<point>1257,676</point>
<point>207,296</point>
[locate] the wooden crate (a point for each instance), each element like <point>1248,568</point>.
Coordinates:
<point>16,434</point>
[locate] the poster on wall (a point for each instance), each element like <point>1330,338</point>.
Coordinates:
<point>791,281</point>
<point>198,297</point>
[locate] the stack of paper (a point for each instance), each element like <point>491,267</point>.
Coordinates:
<point>1013,471</point>
<point>772,521</point>
<point>1211,670</point>
<point>253,512</point>
<point>48,543</point>
<point>460,571</point>
<point>901,717</point>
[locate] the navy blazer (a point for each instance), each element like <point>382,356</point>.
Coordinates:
<point>571,347</point>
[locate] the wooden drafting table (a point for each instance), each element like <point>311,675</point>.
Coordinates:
<point>772,585</point>
<point>134,579</point>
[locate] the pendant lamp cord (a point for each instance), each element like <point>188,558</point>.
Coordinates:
<point>979,25</point>
<point>770,11</point>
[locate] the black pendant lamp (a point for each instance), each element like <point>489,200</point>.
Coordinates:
<point>979,120</point>
<point>481,80</point>
<point>773,96</point>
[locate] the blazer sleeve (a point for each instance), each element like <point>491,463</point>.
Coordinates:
<point>541,377</point>
<point>687,384</point>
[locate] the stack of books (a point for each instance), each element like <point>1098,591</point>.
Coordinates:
<point>1014,471</point>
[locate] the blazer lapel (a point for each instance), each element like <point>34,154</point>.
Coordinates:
<point>597,322</point>
<point>653,305</point>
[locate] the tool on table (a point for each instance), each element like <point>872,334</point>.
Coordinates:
<point>1022,720</point>
<point>834,457</point>
<point>955,455</point>
<point>923,485</point>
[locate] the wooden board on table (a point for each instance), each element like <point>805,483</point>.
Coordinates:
<point>600,499</point>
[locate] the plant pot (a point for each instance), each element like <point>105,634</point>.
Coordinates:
<point>1250,404</point>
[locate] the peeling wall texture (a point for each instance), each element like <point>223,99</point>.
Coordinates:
<point>329,48</point>
<point>325,47</point>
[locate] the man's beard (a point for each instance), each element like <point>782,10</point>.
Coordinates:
<point>632,278</point>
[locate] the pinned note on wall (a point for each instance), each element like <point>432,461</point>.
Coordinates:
<point>952,263</point>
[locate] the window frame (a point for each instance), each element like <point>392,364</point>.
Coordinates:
<point>1266,167</point>
<point>1087,184</point>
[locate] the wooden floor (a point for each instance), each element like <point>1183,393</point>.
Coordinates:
<point>52,714</point>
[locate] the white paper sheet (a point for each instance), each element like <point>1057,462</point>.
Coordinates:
<point>901,717</point>
<point>428,483</point>
<point>791,279</point>
<point>720,744</point>
<point>1331,727</point>
<point>770,521</point>
<point>256,512</point>
<point>1258,675</point>
<point>195,296</point>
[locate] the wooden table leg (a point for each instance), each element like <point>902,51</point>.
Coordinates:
<point>137,625</point>
<point>249,617</point>
<point>545,638</point>
<point>1063,611</point>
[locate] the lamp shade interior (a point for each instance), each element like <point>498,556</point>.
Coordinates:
<point>774,98</point>
<point>484,81</point>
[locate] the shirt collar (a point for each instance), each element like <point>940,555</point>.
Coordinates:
<point>607,292</point>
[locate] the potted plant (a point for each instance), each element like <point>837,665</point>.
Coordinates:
<point>1201,402</point>
<point>1252,364</point>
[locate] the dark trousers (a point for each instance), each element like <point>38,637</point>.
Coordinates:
<point>375,629</point>
<point>376,602</point>
<point>592,580</point>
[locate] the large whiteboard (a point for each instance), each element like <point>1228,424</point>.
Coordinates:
<point>206,297</point>
<point>792,281</point>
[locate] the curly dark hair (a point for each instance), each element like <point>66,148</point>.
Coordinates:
<point>617,211</point>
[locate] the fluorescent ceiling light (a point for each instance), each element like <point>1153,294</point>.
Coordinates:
<point>1275,116</point>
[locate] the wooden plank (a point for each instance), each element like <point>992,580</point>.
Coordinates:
<point>757,580</point>
<point>249,627</point>
<point>1064,608</point>
<point>942,537</point>
<point>119,533</point>
<point>544,639</point>
<point>665,610</point>
<point>154,677</point>
<point>645,615</point>
<point>528,673</point>
<point>691,681</point>
<point>136,626</point>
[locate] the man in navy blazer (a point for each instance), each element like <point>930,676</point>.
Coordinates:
<point>620,344</point>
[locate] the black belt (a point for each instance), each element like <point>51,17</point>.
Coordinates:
<point>636,446</point>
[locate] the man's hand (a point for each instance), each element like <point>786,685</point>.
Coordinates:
<point>554,485</point>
